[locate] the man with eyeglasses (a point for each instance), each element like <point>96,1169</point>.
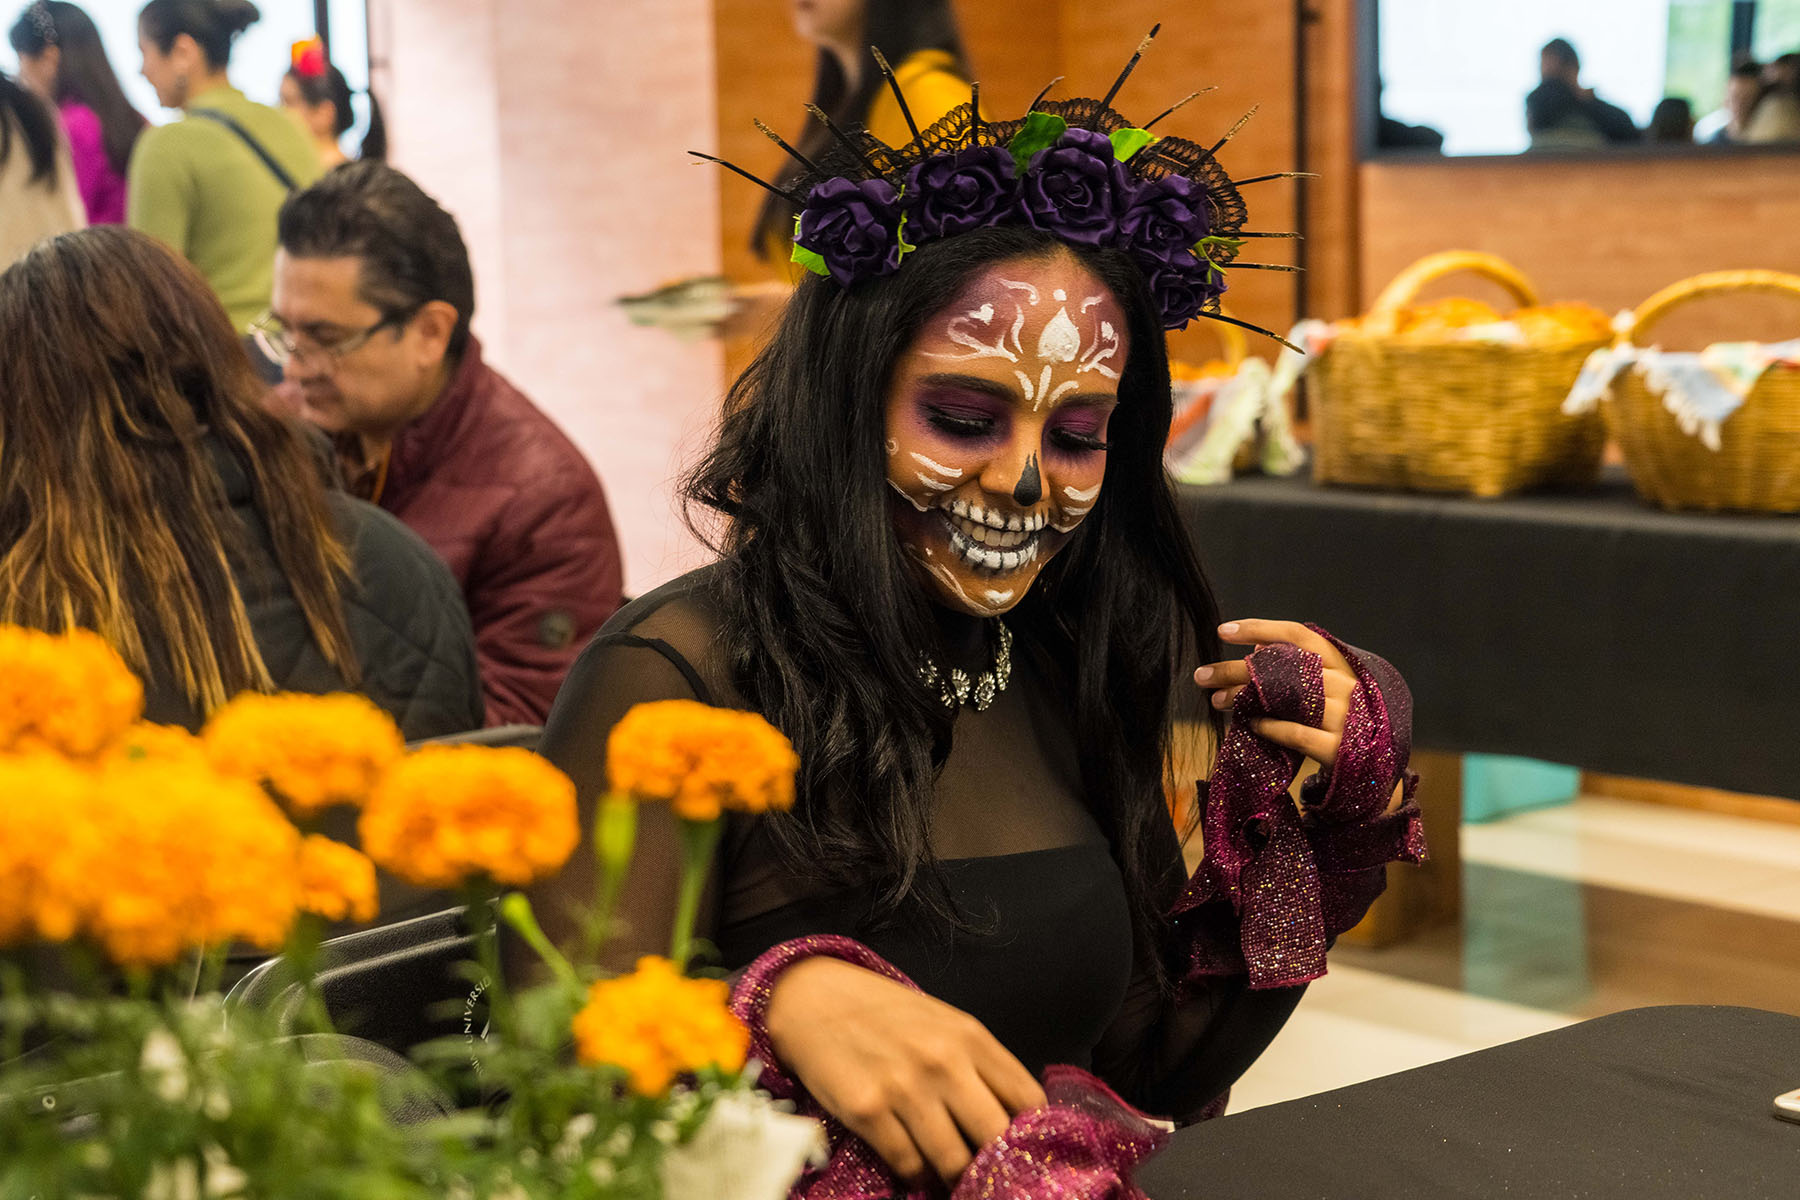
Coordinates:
<point>370,321</point>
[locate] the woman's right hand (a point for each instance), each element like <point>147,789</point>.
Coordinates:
<point>925,1084</point>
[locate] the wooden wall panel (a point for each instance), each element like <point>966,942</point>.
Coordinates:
<point>1333,283</point>
<point>1611,233</point>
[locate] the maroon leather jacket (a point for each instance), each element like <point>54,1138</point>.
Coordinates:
<point>510,504</point>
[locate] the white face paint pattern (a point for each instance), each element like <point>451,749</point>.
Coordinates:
<point>1060,342</point>
<point>1081,497</point>
<point>936,468</point>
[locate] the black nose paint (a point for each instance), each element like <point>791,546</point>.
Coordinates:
<point>1030,488</point>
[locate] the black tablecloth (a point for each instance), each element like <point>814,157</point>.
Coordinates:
<point>1582,629</point>
<point>1653,1104</point>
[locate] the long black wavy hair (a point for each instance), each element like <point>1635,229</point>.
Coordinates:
<point>823,621</point>
<point>899,29</point>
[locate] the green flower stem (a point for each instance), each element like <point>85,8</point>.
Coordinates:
<point>479,900</point>
<point>615,836</point>
<point>515,909</point>
<point>698,841</point>
<point>302,952</point>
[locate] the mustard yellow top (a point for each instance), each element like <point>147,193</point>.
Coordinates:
<point>932,88</point>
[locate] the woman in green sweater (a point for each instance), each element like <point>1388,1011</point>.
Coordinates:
<point>210,185</point>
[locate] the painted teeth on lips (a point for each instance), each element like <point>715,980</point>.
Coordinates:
<point>989,558</point>
<point>995,519</point>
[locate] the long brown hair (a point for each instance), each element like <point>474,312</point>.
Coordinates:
<point>120,365</point>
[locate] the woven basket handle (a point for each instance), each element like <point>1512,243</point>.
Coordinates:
<point>1409,283</point>
<point>1712,283</point>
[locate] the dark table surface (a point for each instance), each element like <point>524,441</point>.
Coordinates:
<point>1585,628</point>
<point>1652,1104</point>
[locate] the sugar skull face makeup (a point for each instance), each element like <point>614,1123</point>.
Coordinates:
<point>996,428</point>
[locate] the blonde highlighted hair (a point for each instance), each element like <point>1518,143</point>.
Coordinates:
<point>119,365</point>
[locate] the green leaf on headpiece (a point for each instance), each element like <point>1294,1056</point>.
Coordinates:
<point>1127,142</point>
<point>906,247</point>
<point>1040,131</point>
<point>1212,243</point>
<point>812,260</point>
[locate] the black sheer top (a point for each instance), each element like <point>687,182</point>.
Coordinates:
<point>1049,963</point>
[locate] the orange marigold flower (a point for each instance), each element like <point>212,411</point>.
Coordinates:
<point>449,814</point>
<point>68,692</point>
<point>337,882</point>
<point>312,751</point>
<point>189,858</point>
<point>158,743</point>
<point>701,760</point>
<point>50,848</point>
<point>656,1024</point>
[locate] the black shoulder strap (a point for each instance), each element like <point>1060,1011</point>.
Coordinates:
<point>256,147</point>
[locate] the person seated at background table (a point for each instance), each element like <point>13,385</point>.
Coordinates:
<point>1560,114</point>
<point>1672,123</point>
<point>38,196</point>
<point>61,58</point>
<point>1777,115</point>
<point>317,95</point>
<point>919,39</point>
<point>209,185</point>
<point>952,572</point>
<point>1743,88</point>
<point>146,494</point>
<point>373,300</point>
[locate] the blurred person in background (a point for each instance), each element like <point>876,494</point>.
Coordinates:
<point>1673,122</point>
<point>62,59</point>
<point>1777,115</point>
<point>372,305</point>
<point>317,95</point>
<point>38,197</point>
<point>920,41</point>
<point>146,494</point>
<point>1743,88</point>
<point>210,184</point>
<point>1561,114</point>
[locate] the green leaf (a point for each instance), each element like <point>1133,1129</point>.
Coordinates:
<point>906,247</point>
<point>1040,131</point>
<point>1127,142</point>
<point>1206,246</point>
<point>810,259</point>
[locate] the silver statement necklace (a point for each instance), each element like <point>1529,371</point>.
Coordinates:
<point>956,687</point>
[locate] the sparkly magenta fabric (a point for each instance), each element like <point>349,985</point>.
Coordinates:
<point>1277,882</point>
<point>1082,1145</point>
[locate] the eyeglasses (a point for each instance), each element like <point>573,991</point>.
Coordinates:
<point>281,343</point>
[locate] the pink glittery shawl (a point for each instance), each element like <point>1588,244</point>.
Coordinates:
<point>1081,1145</point>
<point>1277,882</point>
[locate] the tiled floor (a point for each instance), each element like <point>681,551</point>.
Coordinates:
<point>1569,912</point>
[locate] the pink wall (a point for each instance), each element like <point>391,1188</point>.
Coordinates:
<point>556,131</point>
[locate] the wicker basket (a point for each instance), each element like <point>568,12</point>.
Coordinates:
<point>1474,417</point>
<point>1757,465</point>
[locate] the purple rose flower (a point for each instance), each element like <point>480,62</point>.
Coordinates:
<point>949,194</point>
<point>1164,218</point>
<point>1181,288</point>
<point>854,225</point>
<point>1076,189</point>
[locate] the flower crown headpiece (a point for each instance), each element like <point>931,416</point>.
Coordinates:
<point>1075,169</point>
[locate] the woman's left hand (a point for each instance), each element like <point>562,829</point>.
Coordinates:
<point>1229,678</point>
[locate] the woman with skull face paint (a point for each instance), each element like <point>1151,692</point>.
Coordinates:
<point>952,571</point>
